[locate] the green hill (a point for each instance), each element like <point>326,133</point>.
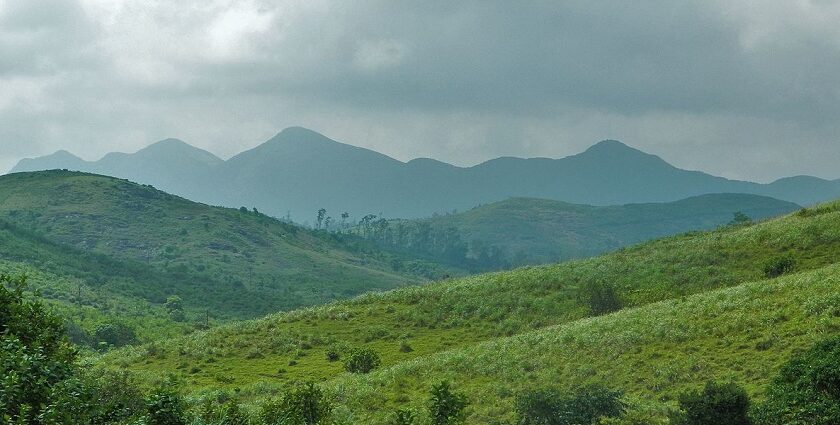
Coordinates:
<point>445,323</point>
<point>232,263</point>
<point>539,231</point>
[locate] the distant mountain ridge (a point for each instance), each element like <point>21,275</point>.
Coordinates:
<point>299,171</point>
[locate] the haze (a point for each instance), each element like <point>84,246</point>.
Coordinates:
<point>742,89</point>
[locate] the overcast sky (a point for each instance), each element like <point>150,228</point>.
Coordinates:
<point>745,89</point>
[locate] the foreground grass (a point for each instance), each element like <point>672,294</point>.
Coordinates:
<point>442,316</point>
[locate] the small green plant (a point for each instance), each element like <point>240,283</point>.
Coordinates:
<point>362,361</point>
<point>333,354</point>
<point>405,347</point>
<point>724,404</point>
<point>447,407</point>
<point>404,417</point>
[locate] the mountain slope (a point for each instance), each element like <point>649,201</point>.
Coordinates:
<point>300,171</point>
<point>456,314</point>
<point>539,231</point>
<point>237,263</point>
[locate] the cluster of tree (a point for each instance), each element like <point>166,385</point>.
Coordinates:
<point>419,239</point>
<point>40,383</point>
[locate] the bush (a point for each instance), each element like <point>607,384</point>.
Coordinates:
<point>115,334</point>
<point>602,299</point>
<point>404,417</point>
<point>445,406</point>
<point>333,355</point>
<point>806,390</point>
<point>304,404</point>
<point>362,361</point>
<point>584,406</point>
<point>165,407</point>
<point>718,404</point>
<point>778,267</point>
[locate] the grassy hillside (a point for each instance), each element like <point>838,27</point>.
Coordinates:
<point>539,231</point>
<point>457,314</point>
<point>237,264</point>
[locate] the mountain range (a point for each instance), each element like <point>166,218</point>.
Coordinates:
<point>299,171</point>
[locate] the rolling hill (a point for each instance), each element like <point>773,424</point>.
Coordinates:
<point>705,305</point>
<point>539,231</point>
<point>235,263</point>
<point>300,171</point>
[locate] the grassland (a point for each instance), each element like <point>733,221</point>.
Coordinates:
<point>454,327</point>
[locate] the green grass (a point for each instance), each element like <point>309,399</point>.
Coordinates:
<point>151,245</point>
<point>458,314</point>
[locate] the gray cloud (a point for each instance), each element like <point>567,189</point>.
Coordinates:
<point>744,89</point>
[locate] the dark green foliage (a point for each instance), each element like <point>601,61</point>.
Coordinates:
<point>97,397</point>
<point>404,417</point>
<point>602,298</point>
<point>740,219</point>
<point>165,407</point>
<point>552,407</point>
<point>115,334</point>
<point>303,404</point>
<point>175,306</point>
<point>35,355</point>
<point>447,407</point>
<point>806,390</point>
<point>333,354</point>
<point>362,360</point>
<point>779,266</point>
<point>716,404</point>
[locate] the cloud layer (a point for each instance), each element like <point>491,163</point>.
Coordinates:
<point>745,89</point>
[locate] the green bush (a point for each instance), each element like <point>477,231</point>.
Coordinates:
<point>551,407</point>
<point>447,407</point>
<point>165,407</point>
<point>778,267</point>
<point>362,361</point>
<point>404,417</point>
<point>303,404</point>
<point>716,404</point>
<point>115,334</point>
<point>806,390</point>
<point>602,298</point>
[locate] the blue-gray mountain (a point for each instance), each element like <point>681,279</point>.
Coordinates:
<point>300,171</point>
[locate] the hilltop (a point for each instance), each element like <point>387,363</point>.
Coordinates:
<point>233,263</point>
<point>299,171</point>
<point>538,231</point>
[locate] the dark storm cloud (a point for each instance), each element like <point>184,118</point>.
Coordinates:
<point>746,89</point>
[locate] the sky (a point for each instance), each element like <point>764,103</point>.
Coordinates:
<point>746,89</point>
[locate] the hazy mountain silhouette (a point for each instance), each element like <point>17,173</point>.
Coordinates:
<point>299,171</point>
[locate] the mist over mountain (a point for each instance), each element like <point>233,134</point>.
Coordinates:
<point>299,171</point>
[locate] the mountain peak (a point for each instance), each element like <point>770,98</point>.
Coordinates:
<point>610,145</point>
<point>178,148</point>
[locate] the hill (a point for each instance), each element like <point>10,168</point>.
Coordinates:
<point>236,263</point>
<point>300,171</point>
<point>537,323</point>
<point>539,231</point>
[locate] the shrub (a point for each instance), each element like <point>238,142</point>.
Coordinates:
<point>362,361</point>
<point>584,406</point>
<point>405,347</point>
<point>719,404</point>
<point>778,267</point>
<point>403,417</point>
<point>303,404</point>
<point>165,407</point>
<point>446,407</point>
<point>333,354</point>
<point>602,299</point>
<point>115,334</point>
<point>806,390</point>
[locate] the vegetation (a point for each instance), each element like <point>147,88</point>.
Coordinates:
<point>725,404</point>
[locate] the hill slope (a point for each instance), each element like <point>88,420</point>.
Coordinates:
<point>457,314</point>
<point>539,231</point>
<point>300,171</point>
<point>236,263</point>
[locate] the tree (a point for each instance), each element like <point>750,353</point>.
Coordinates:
<point>175,306</point>
<point>115,334</point>
<point>602,298</point>
<point>778,267</point>
<point>446,407</point>
<point>320,218</point>
<point>35,355</point>
<point>740,219</point>
<point>807,389</point>
<point>303,404</point>
<point>716,404</point>
<point>362,361</point>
